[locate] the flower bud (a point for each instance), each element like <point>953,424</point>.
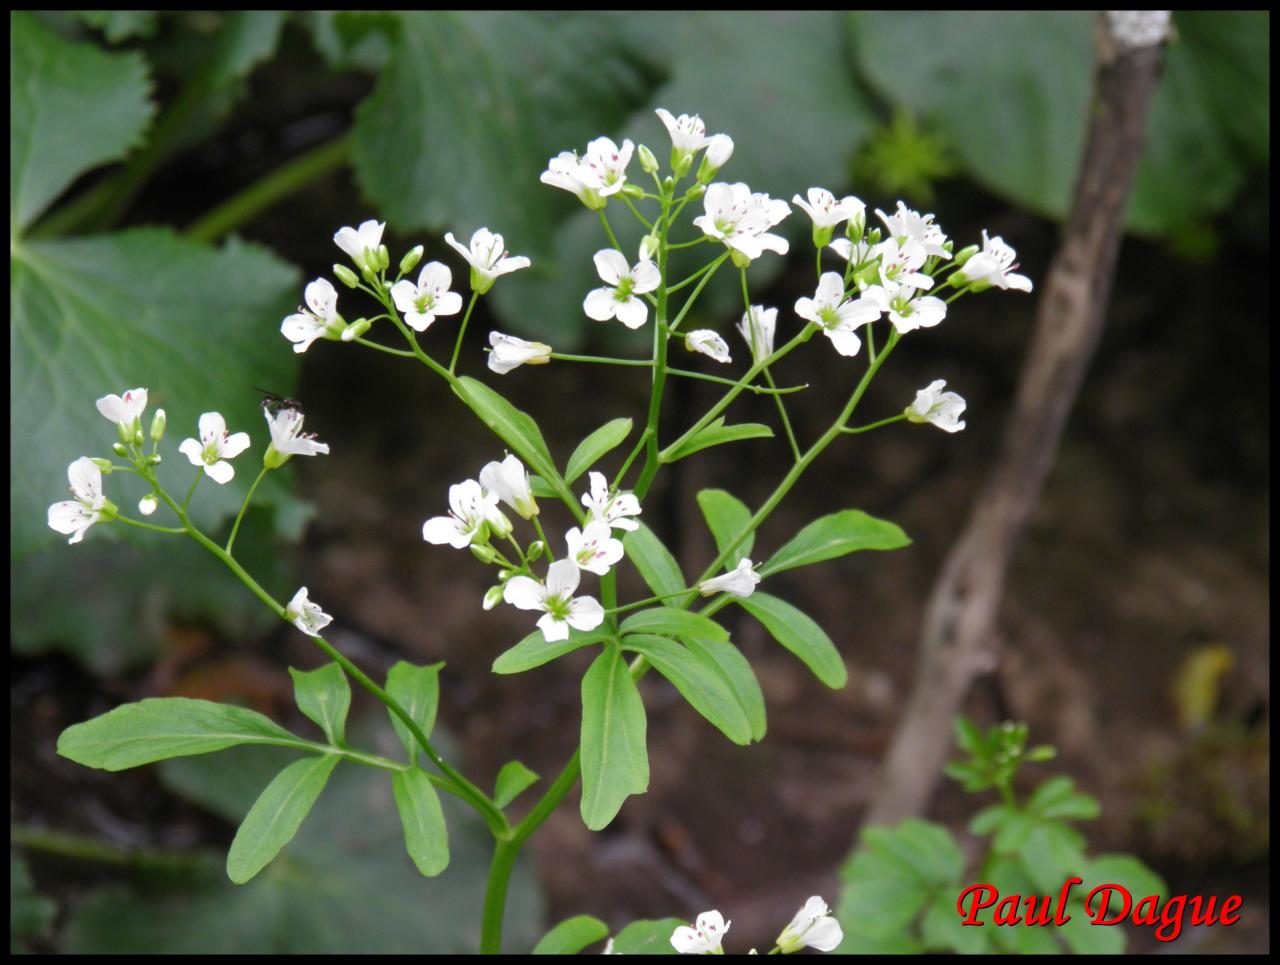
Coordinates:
<point>118,449</point>
<point>411,259</point>
<point>719,150</point>
<point>648,247</point>
<point>536,549</point>
<point>822,235</point>
<point>669,183</point>
<point>681,161</point>
<point>147,504</point>
<point>138,437</point>
<point>157,426</point>
<point>384,258</point>
<point>356,329</point>
<point>633,191</point>
<point>648,163</point>
<point>154,459</point>
<point>505,574</point>
<point>964,254</point>
<point>697,191</point>
<point>492,597</point>
<point>124,433</point>
<point>103,464</point>
<point>856,227</point>
<point>873,237</point>
<point>484,554</point>
<point>346,276</point>
<point>109,510</point>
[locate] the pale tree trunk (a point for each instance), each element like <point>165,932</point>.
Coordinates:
<point>957,641</point>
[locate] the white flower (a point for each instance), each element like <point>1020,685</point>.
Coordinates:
<point>470,509</point>
<point>125,410</point>
<point>906,307</point>
<point>943,409</point>
<point>613,510</point>
<point>826,211</point>
<point>900,261</point>
<point>556,599</point>
<point>288,439</point>
<point>741,219</point>
<point>214,447</point>
<point>305,615</point>
<point>708,343</point>
<point>688,133</point>
<point>593,549</point>
<point>361,243</point>
<point>757,328</point>
<point>75,516</point>
<point>993,265</point>
<point>421,303</point>
<point>856,254</point>
<point>510,352</point>
<point>596,176</point>
<point>488,258</point>
<point>837,316</point>
<point>812,926</point>
<point>719,150</point>
<point>509,481</point>
<point>147,505</point>
<point>740,582</point>
<point>704,938</point>
<point>622,284</point>
<point>566,171</point>
<point>322,321</point>
<point>906,223</point>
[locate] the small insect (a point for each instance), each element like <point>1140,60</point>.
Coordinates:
<point>272,403</point>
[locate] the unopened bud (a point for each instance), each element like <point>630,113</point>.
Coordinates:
<point>536,549</point>
<point>856,227</point>
<point>138,437</point>
<point>681,162</point>
<point>648,163</point>
<point>719,150</point>
<point>356,329</point>
<point>384,258</point>
<point>695,192</point>
<point>492,597</point>
<point>346,276</point>
<point>157,426</point>
<point>484,554</point>
<point>873,237</point>
<point>964,254</point>
<point>505,574</point>
<point>154,459</point>
<point>124,433</point>
<point>118,449</point>
<point>633,191</point>
<point>648,247</point>
<point>147,505</point>
<point>411,259</point>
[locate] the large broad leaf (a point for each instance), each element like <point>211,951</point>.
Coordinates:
<point>797,632</point>
<point>673,622</point>
<point>345,884</point>
<point>571,936</point>
<point>517,429</point>
<point>197,327</point>
<point>698,681</point>
<point>276,816</point>
<point>160,727</point>
<point>474,103</point>
<point>324,695</point>
<point>738,676</point>
<point>73,107</point>
<point>836,535</point>
<point>727,516</point>
<point>417,690</point>
<point>653,561</point>
<point>615,761</point>
<point>425,836</point>
<point>608,437</point>
<point>731,68</point>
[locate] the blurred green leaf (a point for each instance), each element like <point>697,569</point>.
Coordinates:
<point>615,761</point>
<point>650,937</point>
<point>653,561</point>
<point>1058,798</point>
<point>1124,869</point>
<point>118,25</point>
<point>535,650</point>
<point>276,816</point>
<point>324,695</point>
<point>160,727</point>
<point>943,930</point>
<point>512,781</point>
<point>838,534</point>
<point>73,107</point>
<point>698,681</point>
<point>571,936</point>
<point>798,632</point>
<point>726,517</point>
<point>1052,853</point>
<point>417,690</point>
<point>425,836</point>
<point>608,437</point>
<point>30,913</point>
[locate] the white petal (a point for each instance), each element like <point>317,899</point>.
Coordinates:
<point>435,275</point>
<point>221,472</point>
<point>507,265</point>
<point>440,530</point>
<point>405,294</point>
<point>212,425</point>
<point>449,303</point>
<point>525,593</point>
<point>460,249</point>
<point>193,451</point>
<point>585,613</point>
<point>322,299</point>
<point>845,341</point>
<point>600,304</point>
<point>553,629</point>
<point>632,313</point>
<point>646,276</point>
<point>611,265</point>
<point>562,578</point>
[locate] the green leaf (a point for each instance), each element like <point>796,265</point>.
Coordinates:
<point>118,25</point>
<point>991,819</point>
<point>1057,798</point>
<point>799,634</point>
<point>653,561</point>
<point>615,762</point>
<point>100,315</point>
<point>1085,938</point>
<point>716,433</point>
<point>571,936</point>
<point>542,489</point>
<point>737,674</point>
<point>159,727</point>
<point>425,836</point>
<point>535,650</point>
<point>836,535</point>
<point>276,816</point>
<point>726,517</point>
<point>417,690</point>
<point>1051,854</point>
<point>942,929</point>
<point>605,439</point>
<point>512,781</point>
<point>30,913</point>
<point>647,937</point>
<point>73,107</point>
<point>1013,834</point>
<point>1124,869</point>
<point>881,895</point>
<point>669,620</point>
<point>968,736</point>
<point>1009,878</point>
<point>698,681</point>
<point>546,82</point>
<point>324,695</point>
<point>517,429</point>
<point>927,849</point>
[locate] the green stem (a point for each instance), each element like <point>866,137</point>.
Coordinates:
<point>601,360</point>
<point>636,450</point>
<point>462,330</point>
<point>635,211</point>
<point>235,528</point>
<point>289,179</point>
<point>757,389</point>
<point>609,231</point>
<point>384,348</point>
<point>192,491</point>
<point>155,529</point>
<point>83,848</point>
<point>651,461</point>
<point>688,304</point>
<point>874,425</point>
<point>782,408</point>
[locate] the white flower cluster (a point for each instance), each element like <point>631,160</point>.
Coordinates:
<point>475,517</point>
<point>812,927</point>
